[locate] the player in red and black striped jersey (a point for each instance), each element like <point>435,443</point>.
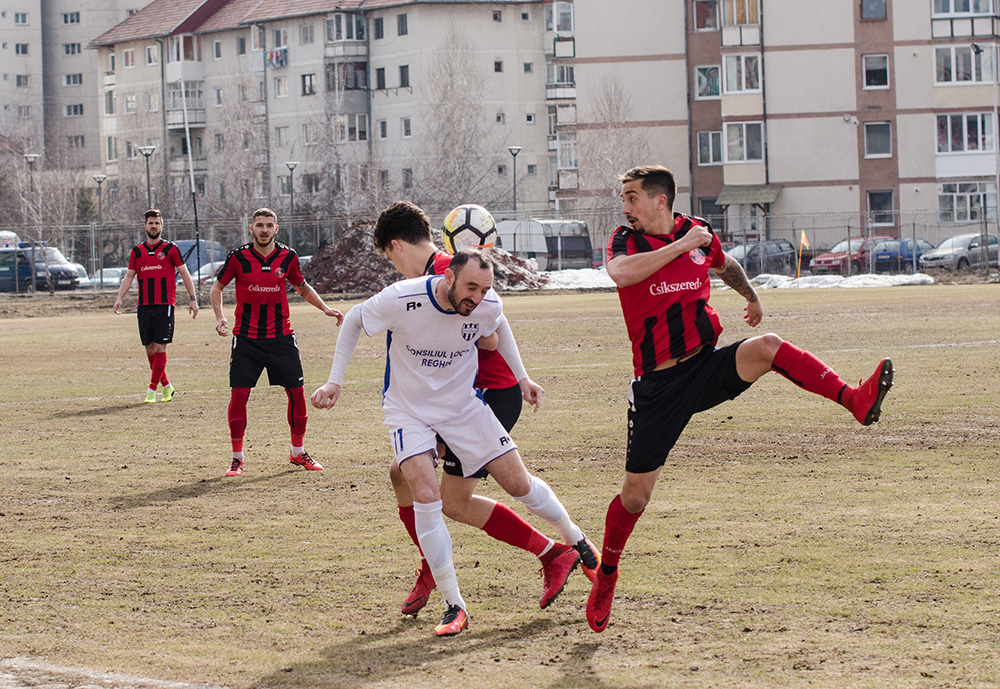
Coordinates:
<point>155,264</point>
<point>262,334</point>
<point>403,234</point>
<point>661,264</point>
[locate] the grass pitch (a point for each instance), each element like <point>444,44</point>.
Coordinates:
<point>785,545</point>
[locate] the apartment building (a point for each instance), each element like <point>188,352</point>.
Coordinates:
<point>344,105</point>
<point>872,116</point>
<point>50,79</point>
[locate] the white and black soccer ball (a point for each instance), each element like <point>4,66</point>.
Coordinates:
<point>468,227</point>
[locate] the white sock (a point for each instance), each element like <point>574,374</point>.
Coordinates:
<point>238,455</point>
<point>435,541</point>
<point>296,451</point>
<point>543,502</point>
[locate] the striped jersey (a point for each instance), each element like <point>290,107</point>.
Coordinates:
<point>156,272</point>
<point>494,373</point>
<point>667,315</point>
<point>261,299</point>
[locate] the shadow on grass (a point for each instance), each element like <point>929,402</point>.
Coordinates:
<point>96,411</point>
<point>373,658</point>
<point>578,671</point>
<point>186,491</point>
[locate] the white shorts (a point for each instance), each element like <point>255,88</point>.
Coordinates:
<point>475,436</point>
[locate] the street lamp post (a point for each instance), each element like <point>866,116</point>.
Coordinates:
<point>99,262</point>
<point>147,151</point>
<point>978,50</point>
<point>514,150</point>
<point>291,165</point>
<point>30,158</point>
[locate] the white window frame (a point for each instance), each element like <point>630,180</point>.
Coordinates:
<point>152,56</point>
<point>406,127</point>
<point>702,79</point>
<point>869,139</point>
<point>74,110</point>
<point>20,19</point>
<point>281,136</point>
<point>739,71</point>
<point>71,17</point>
<point>740,130</point>
<point>20,48</point>
<point>217,50</point>
<point>218,97</point>
<point>130,104</point>
<point>981,70</point>
<point>712,11</point>
<point>281,87</point>
<point>865,69</point>
<point>128,58</point>
<point>740,12</point>
<point>981,121</point>
<point>715,148</point>
<point>383,130</point>
<point>310,134</point>
<point>872,215</point>
<point>307,34</point>
<point>961,208</point>
<point>961,8</point>
<point>75,79</point>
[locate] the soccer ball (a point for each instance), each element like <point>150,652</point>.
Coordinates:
<point>468,227</point>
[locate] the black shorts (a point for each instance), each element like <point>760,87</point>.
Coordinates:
<point>506,406</point>
<point>662,402</point>
<point>279,355</point>
<point>156,324</point>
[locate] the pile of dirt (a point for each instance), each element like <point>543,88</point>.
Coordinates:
<point>350,266</point>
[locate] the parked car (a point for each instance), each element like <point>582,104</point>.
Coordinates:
<point>210,251</point>
<point>82,279</point>
<point>769,256</point>
<point>961,252</point>
<point>205,276</point>
<point>897,254</point>
<point>51,269</point>
<point>109,277</point>
<point>849,254</point>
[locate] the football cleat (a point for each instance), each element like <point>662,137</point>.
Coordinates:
<point>590,561</point>
<point>602,594</point>
<point>455,620</point>
<point>421,591</point>
<point>150,396</point>
<point>305,461</point>
<point>168,393</point>
<point>555,572</point>
<point>236,468</point>
<point>868,396</point>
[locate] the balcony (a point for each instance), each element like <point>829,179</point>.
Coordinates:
<point>195,117</point>
<point>109,78</point>
<point>179,164</point>
<point>560,91</point>
<point>985,26</point>
<point>347,49</point>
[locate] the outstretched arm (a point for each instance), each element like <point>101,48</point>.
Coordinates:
<point>350,332</point>
<point>307,292</point>
<point>531,391</point>
<point>732,273</point>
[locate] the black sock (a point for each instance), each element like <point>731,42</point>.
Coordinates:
<point>608,570</point>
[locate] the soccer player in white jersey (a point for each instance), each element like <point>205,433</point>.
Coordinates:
<point>433,324</point>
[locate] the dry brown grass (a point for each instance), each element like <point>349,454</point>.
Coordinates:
<point>785,546</point>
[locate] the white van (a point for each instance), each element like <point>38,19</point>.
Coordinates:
<point>554,244</point>
<point>525,239</point>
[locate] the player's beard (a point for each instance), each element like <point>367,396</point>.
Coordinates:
<point>150,233</point>
<point>266,246</point>
<point>463,307</point>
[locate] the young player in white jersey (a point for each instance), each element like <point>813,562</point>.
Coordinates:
<point>433,325</point>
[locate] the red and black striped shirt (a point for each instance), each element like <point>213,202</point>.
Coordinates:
<point>156,272</point>
<point>667,315</point>
<point>261,299</point>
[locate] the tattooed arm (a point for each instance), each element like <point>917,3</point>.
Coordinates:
<point>732,273</point>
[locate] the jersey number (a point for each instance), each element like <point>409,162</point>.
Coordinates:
<point>397,440</point>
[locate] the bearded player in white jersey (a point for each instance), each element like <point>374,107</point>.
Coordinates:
<point>434,323</point>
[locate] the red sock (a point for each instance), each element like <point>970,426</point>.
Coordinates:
<point>238,416</point>
<point>297,414</point>
<point>506,525</point>
<point>163,376</point>
<point>618,527</point>
<point>808,372</point>
<point>406,516</point>
<point>159,363</point>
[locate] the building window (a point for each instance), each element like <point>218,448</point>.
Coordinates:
<point>75,141</point>
<point>404,76</point>
<point>20,48</point>
<point>220,143</point>
<point>311,182</point>
<point>529,118</point>
<point>345,27</point>
<point>529,67</point>
<point>109,102</point>
<point>24,111</point>
<point>742,73</point>
<point>407,178</point>
<point>21,80</point>
<point>281,87</point>
<point>217,50</point>
<point>706,15</point>
<point>280,38</point>
<point>310,134</point>
<point>943,8</point>
<point>378,28</point>
<point>876,69</point>
<point>965,201</point>
<point>72,49</point>
<point>306,34</point>
<point>308,84</point>
<point>525,16</point>
<point>401,29</point>
<point>709,148</point>
<point>281,136</point>
<point>497,16</point>
<point>960,63</point>
<point>965,132</point>
<point>152,57</point>
<point>348,76</point>
<point>241,45</point>
<point>878,140</point>
<point>71,17</point>
<point>744,142</point>
<point>501,118</point>
<point>383,129</point>
<point>218,97</point>
<point>131,152</point>
<point>740,12</point>
<point>112,146</point>
<point>706,82</point>
<point>352,127</point>
<point>20,19</point>
<point>568,159</point>
<point>559,17</point>
<point>880,208</point>
<point>130,104</point>
<point>501,170</point>
<point>128,58</point>
<point>285,184</point>
<point>498,65</point>
<point>532,169</point>
<point>184,49</point>
<point>874,9</point>
<point>380,78</point>
<point>560,75</point>
<point>75,110</point>
<point>72,79</point>
<point>257,38</point>
<point>406,128</point>
<point>152,102</point>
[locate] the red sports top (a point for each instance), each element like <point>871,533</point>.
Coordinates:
<point>667,315</point>
<point>494,373</point>
<point>156,272</point>
<point>261,300</point>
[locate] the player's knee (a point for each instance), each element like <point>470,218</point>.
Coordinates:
<point>455,509</point>
<point>635,499</point>
<point>766,346</point>
<point>396,476</point>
